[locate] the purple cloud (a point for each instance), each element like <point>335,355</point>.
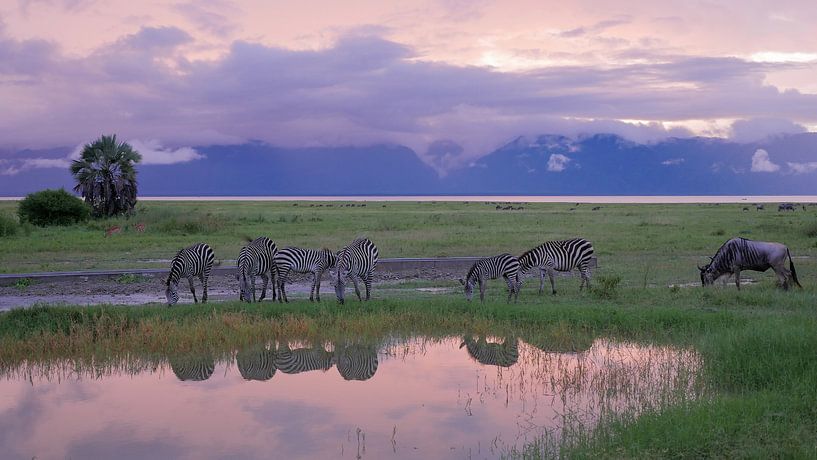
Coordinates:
<point>364,90</point>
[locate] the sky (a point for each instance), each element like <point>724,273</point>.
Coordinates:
<point>450,79</point>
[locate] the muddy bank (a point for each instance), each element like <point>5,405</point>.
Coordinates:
<point>149,288</point>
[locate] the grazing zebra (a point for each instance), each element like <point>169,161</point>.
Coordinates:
<point>356,261</point>
<point>563,256</point>
<point>503,354</point>
<point>356,362</point>
<point>193,368</point>
<point>504,265</point>
<point>741,254</point>
<point>303,359</point>
<point>298,260</point>
<point>256,363</point>
<point>256,259</point>
<point>196,260</point>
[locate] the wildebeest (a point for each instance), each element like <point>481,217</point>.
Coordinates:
<point>785,207</point>
<point>741,254</point>
<point>759,207</point>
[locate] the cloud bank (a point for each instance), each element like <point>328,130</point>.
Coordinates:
<point>366,90</point>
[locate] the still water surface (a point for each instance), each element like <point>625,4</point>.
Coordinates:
<point>419,398</point>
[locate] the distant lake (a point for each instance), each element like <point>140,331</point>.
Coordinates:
<point>646,199</point>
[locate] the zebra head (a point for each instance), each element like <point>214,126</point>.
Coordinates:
<point>468,288</point>
<point>172,292</point>
<point>244,287</point>
<point>342,270</point>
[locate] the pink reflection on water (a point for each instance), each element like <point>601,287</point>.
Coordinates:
<point>427,399</point>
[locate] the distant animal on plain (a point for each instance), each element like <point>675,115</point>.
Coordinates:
<point>759,207</point>
<point>745,209</point>
<point>113,230</point>
<point>742,254</point>
<point>785,207</point>
<point>596,208</point>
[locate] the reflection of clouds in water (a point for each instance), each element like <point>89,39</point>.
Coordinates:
<point>436,395</point>
<point>118,441</point>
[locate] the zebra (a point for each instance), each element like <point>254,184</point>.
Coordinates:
<point>356,362</point>
<point>741,254</point>
<point>196,260</point>
<point>303,359</point>
<point>504,354</point>
<point>504,265</point>
<point>195,369</point>
<point>303,261</point>
<point>561,255</point>
<point>256,364</point>
<point>256,259</point>
<point>356,261</point>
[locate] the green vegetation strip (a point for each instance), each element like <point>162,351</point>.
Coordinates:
<point>758,350</point>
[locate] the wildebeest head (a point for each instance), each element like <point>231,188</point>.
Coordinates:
<point>468,288</point>
<point>707,274</point>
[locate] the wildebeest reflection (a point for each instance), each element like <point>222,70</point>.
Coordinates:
<point>300,360</point>
<point>193,368</point>
<point>356,362</point>
<point>256,363</point>
<point>503,354</point>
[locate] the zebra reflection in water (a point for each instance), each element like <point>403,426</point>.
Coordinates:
<point>256,363</point>
<point>192,368</point>
<point>356,362</point>
<point>300,360</point>
<point>503,354</point>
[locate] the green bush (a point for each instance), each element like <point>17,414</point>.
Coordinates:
<point>606,287</point>
<point>8,225</point>
<point>53,207</point>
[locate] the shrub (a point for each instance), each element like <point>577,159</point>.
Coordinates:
<point>8,225</point>
<point>606,287</point>
<point>53,207</point>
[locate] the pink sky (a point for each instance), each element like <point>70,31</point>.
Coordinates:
<point>477,73</point>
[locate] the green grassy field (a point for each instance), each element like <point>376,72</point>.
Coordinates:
<point>759,346</point>
<point>644,244</point>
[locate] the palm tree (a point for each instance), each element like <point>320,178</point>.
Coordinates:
<point>106,176</point>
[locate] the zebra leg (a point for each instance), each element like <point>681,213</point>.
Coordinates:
<point>318,276</point>
<point>737,279</point>
<point>553,281</point>
<point>252,284</point>
<point>264,288</point>
<point>368,283</point>
<point>510,288</point>
<point>282,293</point>
<point>481,290</point>
<point>357,288</point>
<point>192,289</point>
<point>541,280</point>
<point>204,277</point>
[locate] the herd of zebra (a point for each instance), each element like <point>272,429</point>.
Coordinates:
<point>355,361</point>
<point>357,262</point>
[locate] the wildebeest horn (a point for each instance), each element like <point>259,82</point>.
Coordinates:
<point>701,268</point>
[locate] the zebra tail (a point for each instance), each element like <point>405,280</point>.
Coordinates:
<point>793,271</point>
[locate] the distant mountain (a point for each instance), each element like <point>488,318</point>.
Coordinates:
<point>600,164</point>
<point>605,164</point>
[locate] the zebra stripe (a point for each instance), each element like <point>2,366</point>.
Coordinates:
<point>356,362</point>
<point>357,262</point>
<point>503,354</point>
<point>196,260</point>
<point>504,265</point>
<point>256,364</point>
<point>303,359</point>
<point>299,260</point>
<point>193,369</point>
<point>256,259</point>
<point>562,256</point>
